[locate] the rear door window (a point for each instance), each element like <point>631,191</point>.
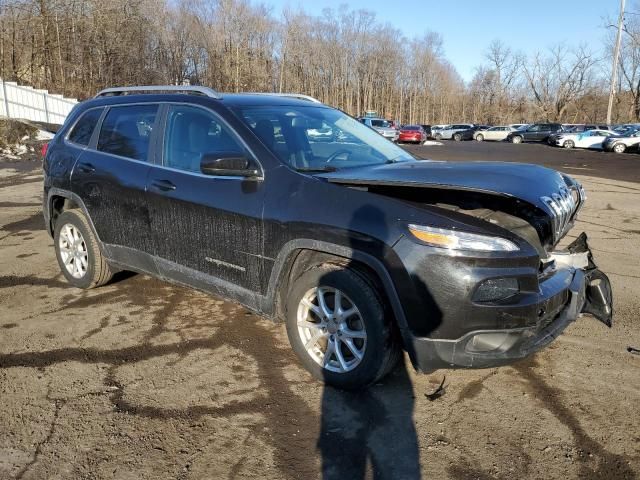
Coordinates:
<point>126,131</point>
<point>83,129</point>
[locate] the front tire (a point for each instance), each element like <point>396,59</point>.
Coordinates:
<point>479,138</point>
<point>78,252</point>
<point>457,137</point>
<point>568,144</point>
<point>619,148</point>
<point>438,137</point>
<point>338,327</point>
<point>516,139</point>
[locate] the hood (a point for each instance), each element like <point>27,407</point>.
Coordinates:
<point>522,181</point>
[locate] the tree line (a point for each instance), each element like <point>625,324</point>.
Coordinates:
<point>346,58</point>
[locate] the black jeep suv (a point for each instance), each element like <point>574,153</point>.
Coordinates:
<point>361,249</point>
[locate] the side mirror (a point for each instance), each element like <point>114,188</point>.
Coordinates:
<point>228,164</point>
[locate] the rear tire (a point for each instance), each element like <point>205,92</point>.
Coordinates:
<point>78,252</point>
<point>457,137</point>
<point>516,139</point>
<point>373,349</point>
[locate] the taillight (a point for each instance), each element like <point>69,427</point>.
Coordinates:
<point>43,149</point>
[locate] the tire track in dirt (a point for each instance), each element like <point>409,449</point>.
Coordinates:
<point>291,425</point>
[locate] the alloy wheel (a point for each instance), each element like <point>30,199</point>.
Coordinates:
<point>73,251</point>
<point>331,329</point>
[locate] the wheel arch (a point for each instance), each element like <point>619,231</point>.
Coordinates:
<point>299,255</point>
<point>59,200</point>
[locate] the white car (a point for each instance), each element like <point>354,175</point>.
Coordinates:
<point>588,139</point>
<point>493,133</point>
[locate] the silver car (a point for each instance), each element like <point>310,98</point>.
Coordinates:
<point>383,127</point>
<point>494,133</point>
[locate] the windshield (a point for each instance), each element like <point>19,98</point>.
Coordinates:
<point>291,133</point>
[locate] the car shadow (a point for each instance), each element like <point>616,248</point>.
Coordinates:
<point>371,433</point>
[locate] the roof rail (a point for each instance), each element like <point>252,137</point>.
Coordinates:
<point>292,95</point>
<point>190,89</point>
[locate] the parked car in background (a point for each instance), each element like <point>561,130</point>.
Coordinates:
<point>627,140</point>
<point>412,134</point>
<point>538,132</point>
<point>576,128</point>
<point>324,134</point>
<point>585,139</point>
<point>493,133</point>
<point>435,129</point>
<point>624,128</point>
<point>451,132</point>
<point>427,130</point>
<point>468,133</point>
<point>518,126</point>
<point>382,126</point>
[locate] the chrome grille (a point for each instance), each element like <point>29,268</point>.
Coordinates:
<point>563,208</point>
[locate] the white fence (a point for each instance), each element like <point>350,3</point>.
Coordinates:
<point>28,103</point>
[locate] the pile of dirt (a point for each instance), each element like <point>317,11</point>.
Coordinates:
<point>20,140</point>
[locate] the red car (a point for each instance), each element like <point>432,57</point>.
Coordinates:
<point>412,133</point>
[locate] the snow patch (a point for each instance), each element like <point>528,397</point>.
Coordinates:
<point>44,135</point>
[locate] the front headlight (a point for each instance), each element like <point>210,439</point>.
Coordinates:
<point>455,240</point>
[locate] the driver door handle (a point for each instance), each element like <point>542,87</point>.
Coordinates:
<point>163,185</point>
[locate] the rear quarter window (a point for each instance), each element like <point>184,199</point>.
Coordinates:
<point>83,129</point>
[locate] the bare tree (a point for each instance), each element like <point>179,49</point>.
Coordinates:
<point>559,78</point>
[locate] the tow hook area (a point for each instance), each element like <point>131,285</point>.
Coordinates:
<point>598,295</point>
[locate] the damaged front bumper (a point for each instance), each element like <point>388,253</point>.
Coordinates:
<point>585,290</point>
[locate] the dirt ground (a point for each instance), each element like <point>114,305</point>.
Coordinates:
<point>144,380</point>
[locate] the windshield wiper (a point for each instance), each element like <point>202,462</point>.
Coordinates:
<point>316,169</point>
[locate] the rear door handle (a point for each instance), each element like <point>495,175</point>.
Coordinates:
<point>163,185</point>
<point>86,168</point>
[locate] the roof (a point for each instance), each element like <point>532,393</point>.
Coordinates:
<point>197,94</point>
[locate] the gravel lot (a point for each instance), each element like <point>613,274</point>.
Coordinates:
<point>144,380</point>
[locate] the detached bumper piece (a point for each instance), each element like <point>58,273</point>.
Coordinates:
<point>589,291</point>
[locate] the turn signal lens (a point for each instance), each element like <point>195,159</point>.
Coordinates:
<point>455,240</point>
